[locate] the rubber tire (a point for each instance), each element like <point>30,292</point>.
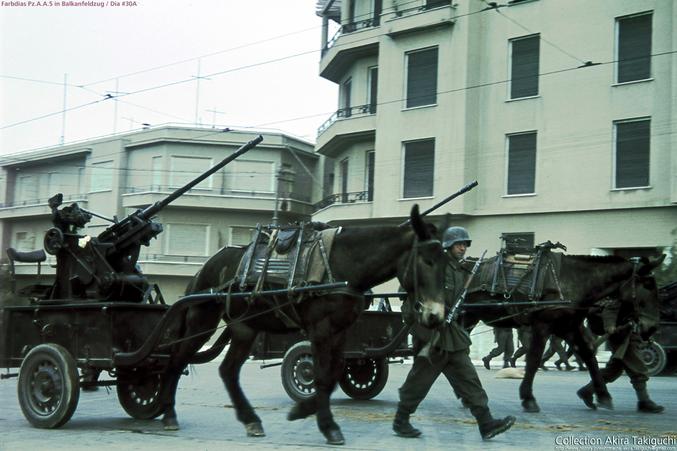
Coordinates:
<point>654,357</point>
<point>364,378</point>
<point>298,374</point>
<point>53,367</point>
<point>140,398</point>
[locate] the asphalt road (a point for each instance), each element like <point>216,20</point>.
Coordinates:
<point>208,422</point>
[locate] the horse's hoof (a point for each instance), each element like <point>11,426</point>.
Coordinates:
<point>170,424</point>
<point>298,413</point>
<point>334,437</point>
<point>254,430</point>
<point>605,402</point>
<point>530,406</point>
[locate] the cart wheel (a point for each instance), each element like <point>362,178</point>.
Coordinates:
<point>364,378</point>
<point>298,374</point>
<point>48,386</point>
<point>140,396</point>
<point>654,357</point>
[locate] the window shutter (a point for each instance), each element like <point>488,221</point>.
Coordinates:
<point>102,176</point>
<point>634,48</point>
<point>521,163</point>
<point>525,61</point>
<point>187,239</point>
<point>185,169</point>
<point>419,171</point>
<point>422,78</point>
<point>240,236</point>
<point>632,153</point>
<point>370,175</point>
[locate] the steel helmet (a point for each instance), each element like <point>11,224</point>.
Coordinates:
<point>454,235</point>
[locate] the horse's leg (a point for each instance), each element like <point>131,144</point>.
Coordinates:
<point>585,351</point>
<point>327,348</point>
<point>240,346</point>
<point>534,355</point>
<point>168,395</point>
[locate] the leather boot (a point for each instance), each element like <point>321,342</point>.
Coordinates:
<point>569,367</point>
<point>558,364</point>
<point>403,427</point>
<point>493,427</point>
<point>512,362</point>
<point>506,364</point>
<point>586,394</point>
<point>645,404</point>
<point>486,361</point>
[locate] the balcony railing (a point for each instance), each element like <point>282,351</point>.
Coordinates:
<point>41,201</point>
<point>162,258</point>
<point>417,9</point>
<point>345,113</point>
<point>344,198</point>
<point>166,190</point>
<point>350,28</point>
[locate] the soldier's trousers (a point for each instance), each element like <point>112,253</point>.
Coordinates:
<point>631,362</point>
<point>459,371</point>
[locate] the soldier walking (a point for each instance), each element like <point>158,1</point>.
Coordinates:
<point>504,345</point>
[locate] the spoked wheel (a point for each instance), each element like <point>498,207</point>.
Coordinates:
<point>298,374</point>
<point>140,396</point>
<point>48,387</point>
<point>654,357</point>
<point>364,378</point>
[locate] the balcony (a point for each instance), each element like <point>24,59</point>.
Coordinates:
<point>36,207</point>
<point>344,206</point>
<point>433,14</point>
<point>345,126</point>
<point>140,197</point>
<point>353,41</point>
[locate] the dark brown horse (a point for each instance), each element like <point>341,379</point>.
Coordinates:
<point>583,280</point>
<point>363,257</point>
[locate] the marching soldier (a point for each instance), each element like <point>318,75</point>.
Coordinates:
<point>446,350</point>
<point>504,345</point>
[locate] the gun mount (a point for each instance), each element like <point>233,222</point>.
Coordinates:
<point>105,267</point>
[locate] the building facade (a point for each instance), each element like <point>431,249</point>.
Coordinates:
<point>117,175</point>
<point>563,111</point>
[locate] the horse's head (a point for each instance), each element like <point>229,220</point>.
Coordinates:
<point>640,295</point>
<point>421,272</point>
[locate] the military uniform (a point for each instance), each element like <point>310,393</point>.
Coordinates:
<point>556,347</point>
<point>444,350</point>
<point>504,345</point>
<point>624,340</point>
<point>524,337</point>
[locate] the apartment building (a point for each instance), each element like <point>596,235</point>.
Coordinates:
<point>563,111</point>
<point>116,175</point>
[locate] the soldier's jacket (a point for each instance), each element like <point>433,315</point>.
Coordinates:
<point>623,331</point>
<point>447,337</point>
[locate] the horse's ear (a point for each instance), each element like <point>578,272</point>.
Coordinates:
<point>418,225</point>
<point>650,264</point>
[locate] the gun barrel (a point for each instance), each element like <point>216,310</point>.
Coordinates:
<point>463,190</point>
<point>152,210</point>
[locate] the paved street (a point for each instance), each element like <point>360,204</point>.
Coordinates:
<point>208,421</point>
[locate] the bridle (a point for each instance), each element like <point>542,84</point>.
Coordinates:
<point>412,266</point>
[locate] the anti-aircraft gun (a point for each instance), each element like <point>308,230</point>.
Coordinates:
<point>105,267</point>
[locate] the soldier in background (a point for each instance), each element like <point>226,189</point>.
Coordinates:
<point>556,348</point>
<point>524,337</point>
<point>504,345</point>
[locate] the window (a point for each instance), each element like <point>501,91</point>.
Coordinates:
<point>57,183</point>
<point>187,239</point>
<point>156,173</point>
<point>422,77</point>
<point>344,180</point>
<point>344,107</point>
<point>24,241</point>
<point>27,189</point>
<point>634,48</point>
<point>419,168</point>
<point>370,175</point>
<point>632,153</point>
<point>373,88</point>
<point>252,176</point>
<point>521,163</point>
<point>184,169</point>
<point>241,236</point>
<point>518,242</point>
<point>524,59</point>
<point>102,176</point>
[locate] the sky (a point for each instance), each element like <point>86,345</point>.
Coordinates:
<point>257,60</point>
